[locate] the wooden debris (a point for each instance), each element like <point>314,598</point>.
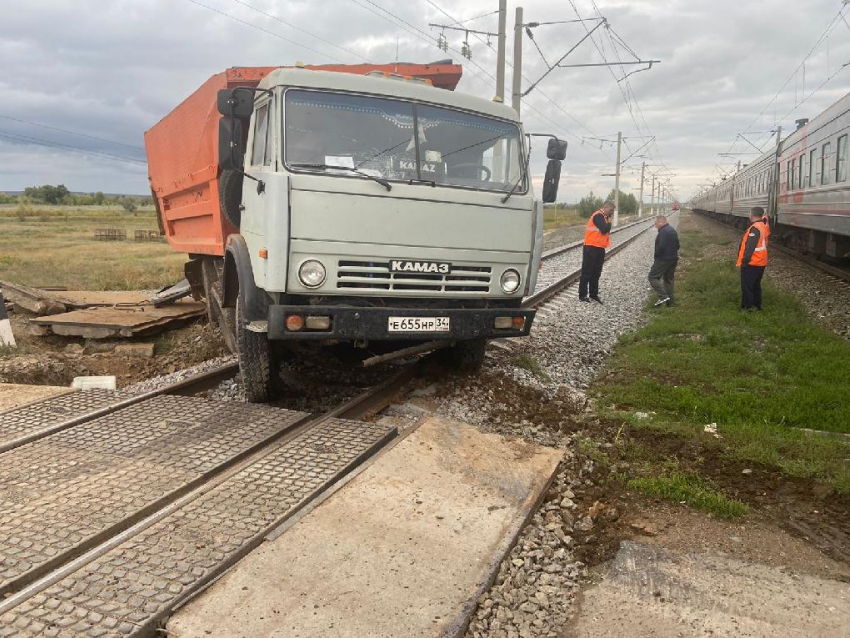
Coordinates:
<point>54,302</point>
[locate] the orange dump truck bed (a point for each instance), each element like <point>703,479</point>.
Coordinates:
<point>182,151</point>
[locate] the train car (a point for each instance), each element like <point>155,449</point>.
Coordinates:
<point>802,184</point>
<point>752,187</point>
<point>813,190</point>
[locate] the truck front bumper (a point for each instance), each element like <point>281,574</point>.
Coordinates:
<point>351,323</point>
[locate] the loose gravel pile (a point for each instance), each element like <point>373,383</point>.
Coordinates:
<point>155,383</point>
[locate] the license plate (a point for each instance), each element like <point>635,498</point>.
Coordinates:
<point>418,324</point>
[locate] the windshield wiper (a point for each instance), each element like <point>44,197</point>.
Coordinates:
<point>513,190</point>
<point>324,167</point>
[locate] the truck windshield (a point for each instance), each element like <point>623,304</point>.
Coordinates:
<point>401,141</point>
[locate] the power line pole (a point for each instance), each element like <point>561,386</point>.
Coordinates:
<point>517,89</point>
<point>617,181</point>
<point>652,198</point>
<point>640,201</point>
<point>500,53</point>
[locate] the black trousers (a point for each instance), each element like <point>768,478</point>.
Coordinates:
<point>661,277</point>
<point>591,269</point>
<point>751,286</point>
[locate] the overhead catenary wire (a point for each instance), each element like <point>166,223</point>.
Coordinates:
<point>26,139</point>
<point>64,130</point>
<point>304,31</point>
<point>539,91</point>
<point>264,30</point>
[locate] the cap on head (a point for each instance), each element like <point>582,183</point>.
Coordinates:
<point>756,212</point>
<point>608,204</point>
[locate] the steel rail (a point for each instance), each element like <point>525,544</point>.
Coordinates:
<point>838,273</point>
<point>553,289</point>
<point>560,250</point>
<point>188,386</point>
<point>367,402</point>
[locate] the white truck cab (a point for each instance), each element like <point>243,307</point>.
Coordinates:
<point>374,209</point>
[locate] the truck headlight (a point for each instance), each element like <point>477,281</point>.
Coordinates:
<point>510,281</point>
<point>312,273</point>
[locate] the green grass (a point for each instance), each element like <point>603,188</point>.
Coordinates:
<point>528,362</point>
<point>692,489</point>
<point>55,246</point>
<point>759,376</point>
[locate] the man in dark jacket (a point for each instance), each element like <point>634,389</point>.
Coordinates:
<point>666,258</point>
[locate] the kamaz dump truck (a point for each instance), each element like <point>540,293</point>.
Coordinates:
<point>364,204</point>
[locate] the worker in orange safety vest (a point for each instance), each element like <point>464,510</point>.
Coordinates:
<point>752,259</point>
<point>597,237</point>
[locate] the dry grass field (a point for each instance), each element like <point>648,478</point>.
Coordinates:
<point>55,246</point>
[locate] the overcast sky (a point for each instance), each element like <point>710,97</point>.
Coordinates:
<point>110,70</point>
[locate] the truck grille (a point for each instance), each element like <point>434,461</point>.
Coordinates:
<point>376,275</point>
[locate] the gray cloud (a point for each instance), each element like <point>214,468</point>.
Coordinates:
<point>111,70</point>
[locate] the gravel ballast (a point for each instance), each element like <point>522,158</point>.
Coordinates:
<point>531,388</point>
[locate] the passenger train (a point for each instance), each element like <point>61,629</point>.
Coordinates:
<point>802,184</point>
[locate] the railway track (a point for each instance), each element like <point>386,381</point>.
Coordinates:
<point>116,512</point>
<point>118,508</point>
<point>834,271</point>
<point>561,267</point>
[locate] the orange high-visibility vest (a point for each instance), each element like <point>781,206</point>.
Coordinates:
<point>593,236</point>
<point>759,257</point>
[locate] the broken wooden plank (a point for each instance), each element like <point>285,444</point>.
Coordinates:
<point>40,302</point>
<point>106,322</point>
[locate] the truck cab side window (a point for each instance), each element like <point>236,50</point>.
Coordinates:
<point>261,130</point>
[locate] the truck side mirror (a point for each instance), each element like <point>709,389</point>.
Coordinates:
<point>556,149</point>
<point>551,180</point>
<point>238,102</point>
<point>231,150</point>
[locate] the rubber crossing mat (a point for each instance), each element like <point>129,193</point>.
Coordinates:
<point>31,419</point>
<point>130,588</point>
<point>68,491</point>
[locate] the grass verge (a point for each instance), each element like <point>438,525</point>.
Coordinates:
<point>691,489</point>
<point>55,246</point>
<point>759,377</point>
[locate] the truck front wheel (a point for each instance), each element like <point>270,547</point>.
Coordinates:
<point>466,356</point>
<point>259,364</point>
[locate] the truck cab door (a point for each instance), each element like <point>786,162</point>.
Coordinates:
<point>258,196</point>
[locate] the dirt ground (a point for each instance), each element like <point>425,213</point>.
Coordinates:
<point>55,360</point>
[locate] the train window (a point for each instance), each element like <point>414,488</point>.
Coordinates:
<point>792,173</point>
<point>841,162</point>
<point>812,169</point>
<point>804,173</point>
<point>825,173</point>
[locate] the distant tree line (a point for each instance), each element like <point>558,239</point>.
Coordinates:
<point>591,203</point>
<point>60,195</point>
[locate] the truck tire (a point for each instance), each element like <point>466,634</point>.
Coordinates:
<point>230,196</point>
<point>259,365</point>
<point>466,356</point>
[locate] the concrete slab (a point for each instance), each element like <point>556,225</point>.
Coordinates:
<point>404,549</point>
<point>654,593</point>
<point>124,321</point>
<point>14,395</point>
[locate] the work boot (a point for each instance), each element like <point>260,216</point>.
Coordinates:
<point>584,299</point>
<point>663,300</point>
